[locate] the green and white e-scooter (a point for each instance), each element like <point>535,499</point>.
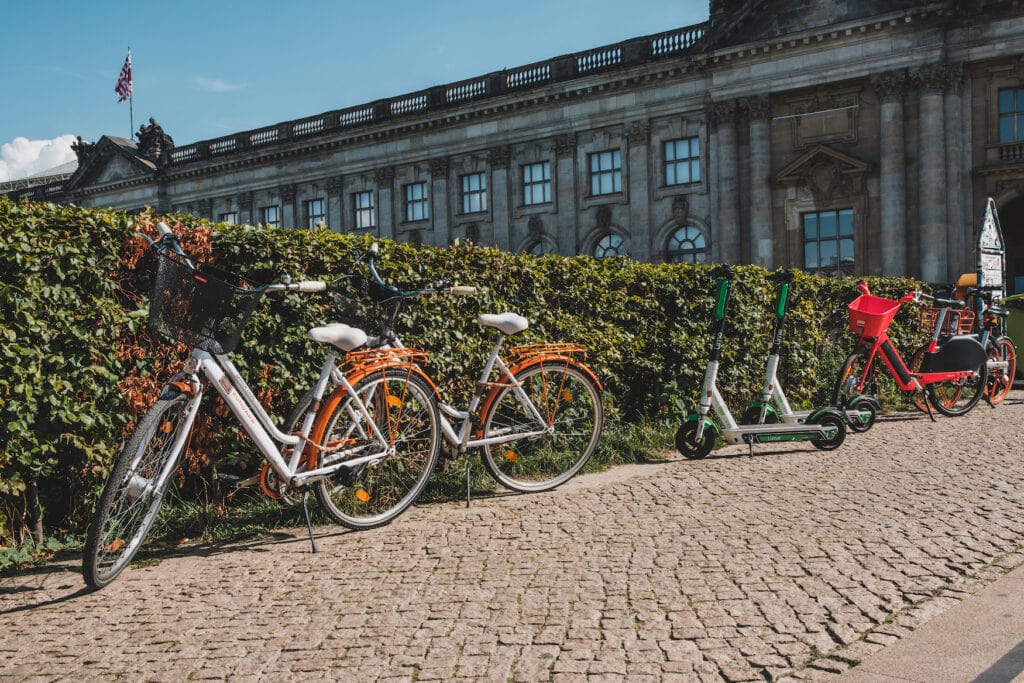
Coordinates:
<point>825,427</point>
<point>773,406</point>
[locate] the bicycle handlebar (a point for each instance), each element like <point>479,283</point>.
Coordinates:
<point>170,240</point>
<point>437,287</point>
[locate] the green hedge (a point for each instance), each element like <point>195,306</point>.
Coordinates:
<point>79,365</point>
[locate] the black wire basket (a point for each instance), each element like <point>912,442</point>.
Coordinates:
<point>205,308</point>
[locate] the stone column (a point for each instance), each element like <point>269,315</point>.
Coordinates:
<point>385,179</point>
<point>761,243</point>
<point>725,226</point>
<point>567,235</point>
<point>638,136</point>
<point>288,213</point>
<point>335,204</point>
<point>932,172</point>
<point>890,88</point>
<point>439,202</point>
<point>959,231</point>
<point>499,196</point>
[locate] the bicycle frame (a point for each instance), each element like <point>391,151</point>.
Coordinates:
<point>905,379</point>
<point>272,443</point>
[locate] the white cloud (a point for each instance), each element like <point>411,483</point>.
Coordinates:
<point>217,85</point>
<point>22,157</point>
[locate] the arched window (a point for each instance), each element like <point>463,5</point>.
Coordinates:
<point>541,247</point>
<point>687,245</point>
<point>608,246</point>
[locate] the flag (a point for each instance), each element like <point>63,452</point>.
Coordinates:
<point>124,81</point>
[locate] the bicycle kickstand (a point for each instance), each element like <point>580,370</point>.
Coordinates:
<point>927,404</point>
<point>309,524</point>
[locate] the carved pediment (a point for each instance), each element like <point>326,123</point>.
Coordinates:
<point>826,172</point>
<point>111,160</point>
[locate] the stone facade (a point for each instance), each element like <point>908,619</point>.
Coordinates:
<point>831,135</point>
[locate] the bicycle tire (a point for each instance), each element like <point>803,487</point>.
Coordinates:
<point>848,382</point>
<point>124,514</point>
<point>1000,382</point>
<point>374,494</point>
<point>953,399</point>
<point>570,401</point>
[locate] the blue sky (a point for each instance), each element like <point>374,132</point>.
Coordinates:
<point>207,69</point>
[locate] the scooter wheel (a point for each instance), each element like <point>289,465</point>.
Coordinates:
<point>689,445</point>
<point>752,415</point>
<point>862,424</point>
<point>830,420</point>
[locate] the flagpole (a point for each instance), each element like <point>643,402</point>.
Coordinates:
<point>131,113</point>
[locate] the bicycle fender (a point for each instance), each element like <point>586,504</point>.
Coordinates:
<point>354,376</point>
<point>560,359</point>
<point>177,385</point>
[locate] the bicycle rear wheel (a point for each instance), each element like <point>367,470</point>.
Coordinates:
<point>570,403</point>
<point>1000,380</point>
<point>132,496</point>
<point>955,398</point>
<point>404,410</point>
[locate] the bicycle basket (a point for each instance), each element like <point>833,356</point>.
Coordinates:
<point>205,308</point>
<point>870,315</point>
<point>955,322</point>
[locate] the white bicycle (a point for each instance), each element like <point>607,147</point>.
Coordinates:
<point>374,461</point>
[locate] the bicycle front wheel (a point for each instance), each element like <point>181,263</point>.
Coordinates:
<point>400,428</point>
<point>569,402</point>
<point>1000,379</point>
<point>953,398</point>
<point>853,379</point>
<point>133,493</point>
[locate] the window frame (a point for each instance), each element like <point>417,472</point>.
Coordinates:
<point>1014,115</point>
<point>700,254</point>
<point>531,185</point>
<point>611,172</point>
<point>360,212</point>
<point>307,207</point>
<point>837,269</point>
<point>415,204</point>
<point>617,242</point>
<point>265,212</point>
<point>691,162</point>
<point>229,217</point>
<point>473,198</point>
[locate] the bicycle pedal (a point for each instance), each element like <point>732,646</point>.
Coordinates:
<point>229,478</point>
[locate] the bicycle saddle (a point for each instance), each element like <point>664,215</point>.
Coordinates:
<point>506,323</point>
<point>341,335</point>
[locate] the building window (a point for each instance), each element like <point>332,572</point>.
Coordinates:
<point>606,172</point>
<point>682,161</point>
<point>608,246</point>
<point>231,218</point>
<point>537,183</point>
<point>269,215</point>
<point>316,214</point>
<point>687,245</point>
<point>416,203</point>
<point>1011,115</point>
<point>828,242</point>
<point>364,205</point>
<point>474,193</point>
<point>541,247</point>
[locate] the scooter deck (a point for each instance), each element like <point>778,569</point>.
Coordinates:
<point>774,433</point>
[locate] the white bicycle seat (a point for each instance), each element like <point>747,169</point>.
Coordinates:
<point>506,323</point>
<point>341,335</point>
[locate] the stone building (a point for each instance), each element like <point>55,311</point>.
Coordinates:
<point>837,136</point>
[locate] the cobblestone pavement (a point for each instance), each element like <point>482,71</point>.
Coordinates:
<point>793,564</point>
